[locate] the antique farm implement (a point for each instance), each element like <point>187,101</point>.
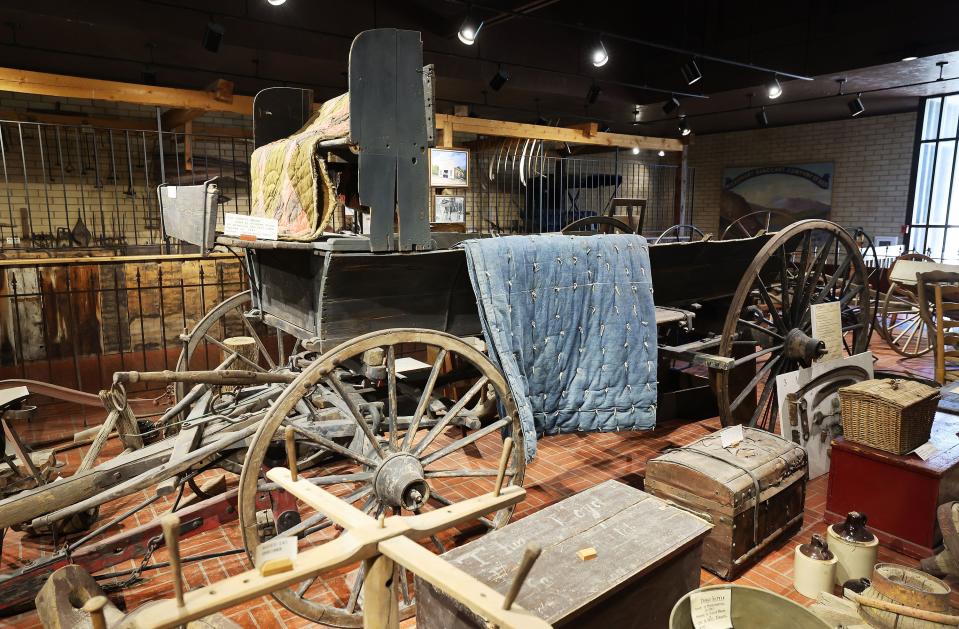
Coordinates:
<point>384,545</point>
<point>366,349</point>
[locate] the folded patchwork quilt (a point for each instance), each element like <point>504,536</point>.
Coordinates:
<point>289,180</point>
<point>571,323</point>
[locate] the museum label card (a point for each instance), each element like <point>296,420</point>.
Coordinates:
<point>241,225</point>
<point>275,555</point>
<point>731,436</point>
<point>827,327</point>
<point>926,451</point>
<point>710,609</point>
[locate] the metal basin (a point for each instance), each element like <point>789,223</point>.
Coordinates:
<point>753,608</point>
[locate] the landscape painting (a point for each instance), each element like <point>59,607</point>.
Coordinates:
<point>756,198</point>
<point>449,168</point>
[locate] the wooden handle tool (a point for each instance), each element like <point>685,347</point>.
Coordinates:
<point>530,555</point>
<point>503,463</point>
<point>94,607</point>
<point>291,451</point>
<point>171,534</point>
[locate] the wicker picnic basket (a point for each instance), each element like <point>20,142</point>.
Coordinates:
<point>892,415</point>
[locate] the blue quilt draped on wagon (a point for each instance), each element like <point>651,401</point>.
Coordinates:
<point>570,321</point>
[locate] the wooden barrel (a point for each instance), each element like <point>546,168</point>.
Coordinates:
<point>752,608</point>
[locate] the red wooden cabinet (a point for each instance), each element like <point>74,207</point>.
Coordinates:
<point>899,493</point>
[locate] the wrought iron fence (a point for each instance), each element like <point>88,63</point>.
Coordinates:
<point>74,323</point>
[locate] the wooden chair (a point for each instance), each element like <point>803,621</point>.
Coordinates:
<point>938,293</point>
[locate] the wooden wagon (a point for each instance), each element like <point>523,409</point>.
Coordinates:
<point>378,368</point>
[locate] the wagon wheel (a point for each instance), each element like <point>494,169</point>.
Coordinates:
<point>899,321</point>
<point>871,260</point>
<point>738,229</point>
<point>601,225</point>
<point>807,263</point>
<point>203,346</point>
<point>681,233</point>
<point>435,464</point>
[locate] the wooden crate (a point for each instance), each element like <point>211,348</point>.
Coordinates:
<point>647,558</point>
<point>707,478</point>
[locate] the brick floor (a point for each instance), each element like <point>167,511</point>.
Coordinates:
<point>564,465</point>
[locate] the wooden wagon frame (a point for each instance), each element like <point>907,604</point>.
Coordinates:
<point>731,315</point>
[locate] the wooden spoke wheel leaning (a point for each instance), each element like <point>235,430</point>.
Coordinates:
<point>899,321</point>
<point>210,341</point>
<point>768,329</point>
<point>387,439</point>
<point>681,233</point>
<point>598,225</point>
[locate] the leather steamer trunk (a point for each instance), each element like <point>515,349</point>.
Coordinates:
<point>722,484</point>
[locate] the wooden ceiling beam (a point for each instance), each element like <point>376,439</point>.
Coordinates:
<point>118,123</point>
<point>47,84</point>
<point>173,118</point>
<point>502,128</point>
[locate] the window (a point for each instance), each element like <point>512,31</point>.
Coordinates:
<point>934,224</point>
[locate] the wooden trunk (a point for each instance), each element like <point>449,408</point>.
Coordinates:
<point>647,558</point>
<point>722,483</point>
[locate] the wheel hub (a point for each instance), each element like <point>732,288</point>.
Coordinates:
<point>399,481</point>
<point>803,348</point>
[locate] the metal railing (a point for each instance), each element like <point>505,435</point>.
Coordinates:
<point>69,186</point>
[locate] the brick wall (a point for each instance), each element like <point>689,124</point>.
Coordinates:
<point>872,157</point>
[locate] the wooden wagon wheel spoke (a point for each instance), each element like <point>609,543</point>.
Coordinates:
<point>340,389</point>
<point>809,280</point>
<point>386,474</point>
<point>447,502</point>
<point>751,386</point>
<point>755,355</point>
<point>392,413</point>
<point>424,399</point>
<point>450,415</point>
<point>329,444</point>
<point>465,441</point>
<point>249,363</point>
<point>773,310</point>
<point>759,328</point>
<point>261,348</point>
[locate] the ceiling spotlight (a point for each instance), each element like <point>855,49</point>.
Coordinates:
<point>855,106</point>
<point>499,79</point>
<point>762,118</point>
<point>661,153</point>
<point>213,36</point>
<point>691,72</point>
<point>469,30</point>
<point>671,105</point>
<point>635,150</point>
<point>684,129</point>
<point>636,115</point>
<point>600,56</point>
<point>593,94</point>
<point>910,58</point>
<point>276,3</point>
<point>774,88</point>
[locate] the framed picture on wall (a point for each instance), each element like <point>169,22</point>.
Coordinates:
<point>449,209</point>
<point>449,168</point>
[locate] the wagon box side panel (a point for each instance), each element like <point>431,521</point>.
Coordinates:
<point>687,272</point>
<point>368,292</point>
<point>288,286</point>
